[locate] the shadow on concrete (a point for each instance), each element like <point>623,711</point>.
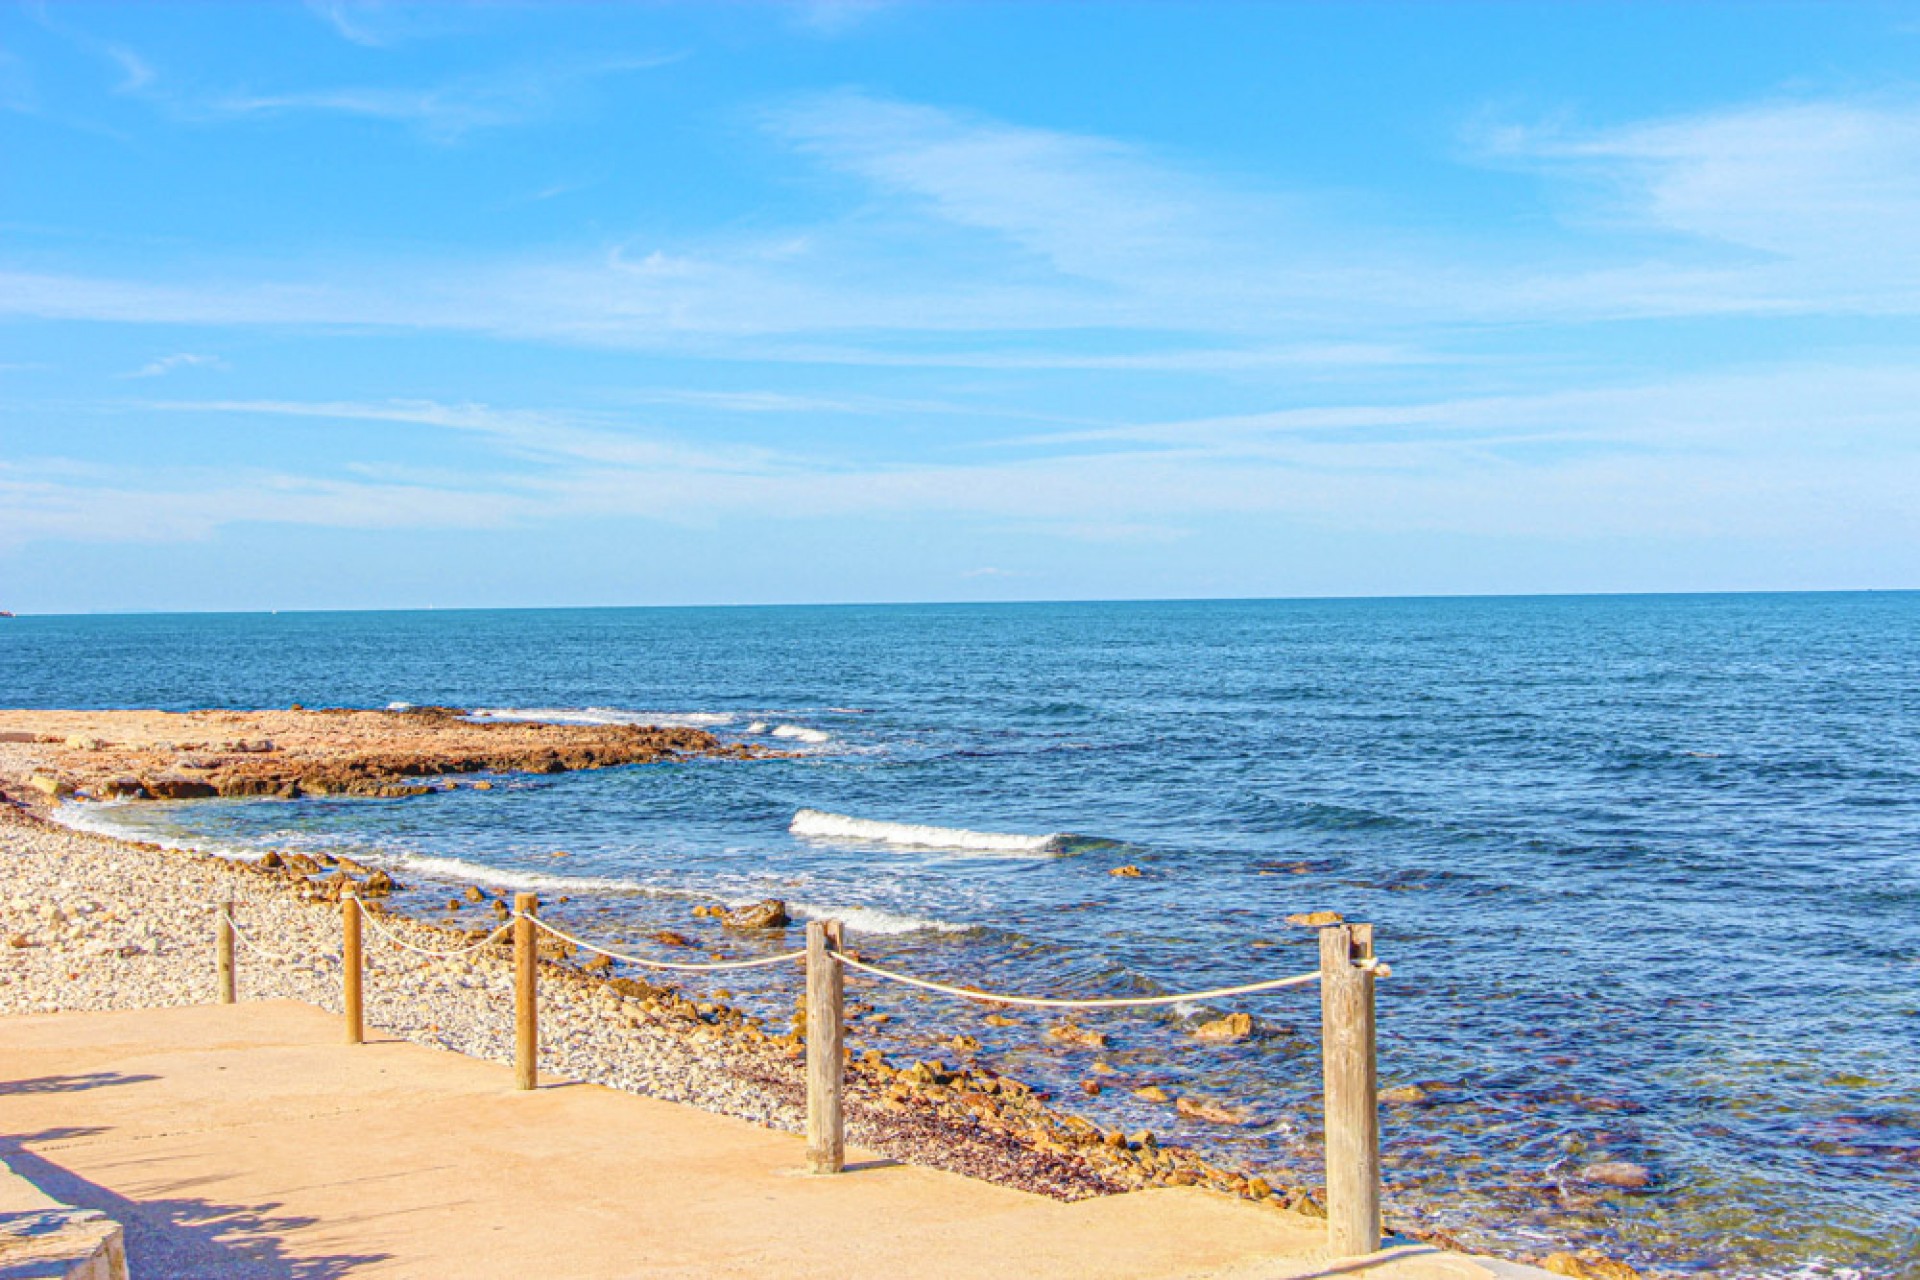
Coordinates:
<point>70,1084</point>
<point>183,1238</point>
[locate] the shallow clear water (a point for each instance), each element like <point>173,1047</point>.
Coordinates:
<point>1647,869</point>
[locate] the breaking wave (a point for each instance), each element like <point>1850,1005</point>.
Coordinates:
<point>460,871</point>
<point>800,733</point>
<point>836,826</point>
<point>601,715</point>
<point>876,920</point>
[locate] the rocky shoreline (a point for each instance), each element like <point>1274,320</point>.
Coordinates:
<point>92,922</point>
<point>165,755</point>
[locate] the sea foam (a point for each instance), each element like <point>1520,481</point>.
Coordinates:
<point>835,826</point>
<point>800,733</point>
<point>601,715</point>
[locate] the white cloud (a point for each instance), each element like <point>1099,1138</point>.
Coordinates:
<point>79,503</point>
<point>445,112</point>
<point>1088,206</point>
<point>167,364</point>
<point>836,17</point>
<point>136,73</point>
<point>351,21</point>
<point>975,243</point>
<point>1793,206</point>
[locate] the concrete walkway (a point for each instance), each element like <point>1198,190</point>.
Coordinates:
<point>248,1141</point>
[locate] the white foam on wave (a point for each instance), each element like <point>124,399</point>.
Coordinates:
<point>464,872</point>
<point>601,715</point>
<point>399,706</point>
<point>875,920</point>
<point>800,733</point>
<point>837,826</point>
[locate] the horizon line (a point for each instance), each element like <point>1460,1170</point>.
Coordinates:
<point>989,604</point>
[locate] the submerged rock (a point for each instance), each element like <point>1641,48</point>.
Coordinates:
<point>1316,919</point>
<point>1211,1112</point>
<point>1618,1173</point>
<point>1588,1265</point>
<point>1075,1034</point>
<point>1235,1026</point>
<point>770,913</point>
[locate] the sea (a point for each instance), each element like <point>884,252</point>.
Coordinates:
<point>1646,869</point>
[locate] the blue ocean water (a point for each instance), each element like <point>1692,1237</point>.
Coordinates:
<point>1647,868</point>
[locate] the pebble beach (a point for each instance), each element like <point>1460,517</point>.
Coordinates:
<point>94,923</point>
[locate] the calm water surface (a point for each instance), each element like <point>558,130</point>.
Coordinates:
<point>1647,869</point>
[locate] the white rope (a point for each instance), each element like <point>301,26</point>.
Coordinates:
<point>255,947</point>
<point>404,945</point>
<point>710,966</point>
<point>1047,1002</point>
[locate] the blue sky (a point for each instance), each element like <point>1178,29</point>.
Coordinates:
<point>360,305</point>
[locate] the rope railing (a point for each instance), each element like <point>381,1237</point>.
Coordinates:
<point>678,966</point>
<point>1346,976</point>
<point>252,944</point>
<point>1055,1002</point>
<point>458,952</point>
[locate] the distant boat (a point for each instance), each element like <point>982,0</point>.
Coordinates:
<point>6,613</point>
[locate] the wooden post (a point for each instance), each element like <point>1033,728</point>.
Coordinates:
<point>1352,1091</point>
<point>350,966</point>
<point>223,953</point>
<point>526,1002</point>
<point>826,1036</point>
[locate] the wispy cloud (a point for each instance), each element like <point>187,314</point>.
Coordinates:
<point>351,21</point>
<point>968,242</point>
<point>836,17</point>
<point>83,503</point>
<point>1807,205</point>
<point>574,436</point>
<point>136,72</point>
<point>167,364</point>
<point>1088,206</point>
<point>446,111</point>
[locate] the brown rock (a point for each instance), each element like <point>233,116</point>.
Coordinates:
<point>18,940</point>
<point>1074,1034</point>
<point>48,785</point>
<point>1153,1093</point>
<point>770,913</point>
<point>123,789</point>
<point>174,787</point>
<point>999,1020</point>
<point>1403,1095</point>
<point>1211,1112</point>
<point>1588,1265</point>
<point>305,865</point>
<point>668,938</point>
<point>1235,1026</point>
<point>474,894</point>
<point>483,786</point>
<point>1128,872</point>
<point>1618,1173</point>
<point>1316,919</point>
<point>599,962</point>
<point>272,861</point>
<point>379,884</point>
